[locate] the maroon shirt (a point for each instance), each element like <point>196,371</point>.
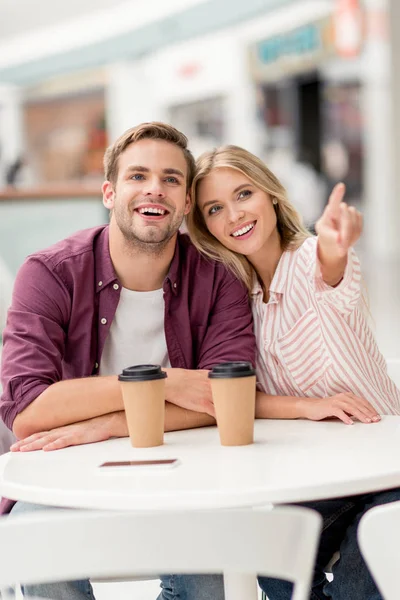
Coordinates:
<point>64,301</point>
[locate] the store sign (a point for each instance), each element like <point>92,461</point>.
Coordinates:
<point>293,51</point>
<point>299,42</point>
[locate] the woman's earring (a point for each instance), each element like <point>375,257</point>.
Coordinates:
<point>274,201</point>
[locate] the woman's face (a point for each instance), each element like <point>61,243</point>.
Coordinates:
<point>236,212</point>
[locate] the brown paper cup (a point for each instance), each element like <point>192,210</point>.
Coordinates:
<point>144,403</point>
<point>235,401</point>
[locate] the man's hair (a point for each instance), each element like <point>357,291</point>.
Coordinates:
<point>147,131</point>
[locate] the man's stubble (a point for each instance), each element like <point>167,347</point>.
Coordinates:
<point>152,240</point>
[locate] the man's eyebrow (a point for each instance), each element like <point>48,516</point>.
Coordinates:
<point>137,168</point>
<point>172,171</point>
<point>141,169</point>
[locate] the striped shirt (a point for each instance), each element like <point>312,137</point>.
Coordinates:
<point>314,340</point>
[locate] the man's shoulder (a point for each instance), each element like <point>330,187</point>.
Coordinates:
<point>62,252</point>
<point>191,256</point>
<point>199,268</point>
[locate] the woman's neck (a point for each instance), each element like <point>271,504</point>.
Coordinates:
<point>265,262</point>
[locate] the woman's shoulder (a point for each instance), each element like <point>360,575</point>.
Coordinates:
<point>305,252</point>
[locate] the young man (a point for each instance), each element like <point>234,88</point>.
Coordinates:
<point>135,291</point>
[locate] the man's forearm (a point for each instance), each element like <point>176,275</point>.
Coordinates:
<point>77,400</point>
<point>67,402</point>
<point>176,419</point>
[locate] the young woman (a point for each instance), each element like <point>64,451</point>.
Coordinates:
<point>317,356</point>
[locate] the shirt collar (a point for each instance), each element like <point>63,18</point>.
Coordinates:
<point>173,275</point>
<point>279,279</point>
<point>105,273</point>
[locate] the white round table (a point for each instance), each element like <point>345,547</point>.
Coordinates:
<point>290,461</point>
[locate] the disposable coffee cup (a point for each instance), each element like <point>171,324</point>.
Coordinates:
<point>143,392</point>
<point>233,386</point>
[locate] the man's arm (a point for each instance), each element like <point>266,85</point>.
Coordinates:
<point>34,398</point>
<point>229,335</point>
<point>67,402</point>
<point>104,427</point>
<point>75,400</point>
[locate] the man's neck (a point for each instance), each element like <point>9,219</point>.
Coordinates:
<point>136,269</point>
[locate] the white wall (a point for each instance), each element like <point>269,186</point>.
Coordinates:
<point>206,67</point>
<point>76,24</point>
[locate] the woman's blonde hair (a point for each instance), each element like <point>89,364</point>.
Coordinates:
<point>289,222</point>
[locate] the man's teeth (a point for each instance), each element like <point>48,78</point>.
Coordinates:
<point>243,230</point>
<point>154,211</point>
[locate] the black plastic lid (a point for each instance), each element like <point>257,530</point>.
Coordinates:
<point>231,369</point>
<point>142,373</point>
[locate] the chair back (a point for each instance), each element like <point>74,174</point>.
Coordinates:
<point>378,536</point>
<point>70,545</point>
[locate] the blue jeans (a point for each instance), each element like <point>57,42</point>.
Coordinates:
<point>173,587</point>
<point>351,577</point>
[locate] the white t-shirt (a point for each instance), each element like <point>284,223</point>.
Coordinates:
<point>136,334</point>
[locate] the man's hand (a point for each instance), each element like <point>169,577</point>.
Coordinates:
<point>97,429</point>
<point>189,389</point>
<point>343,406</point>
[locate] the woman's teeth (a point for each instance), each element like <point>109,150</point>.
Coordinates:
<point>243,230</point>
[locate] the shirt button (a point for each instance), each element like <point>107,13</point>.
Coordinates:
<point>116,286</point>
<point>103,321</point>
<point>175,285</point>
<point>100,283</point>
<point>96,366</point>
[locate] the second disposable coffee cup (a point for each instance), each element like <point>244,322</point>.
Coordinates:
<point>143,392</point>
<point>233,386</point>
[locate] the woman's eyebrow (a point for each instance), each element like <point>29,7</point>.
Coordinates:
<point>209,202</point>
<point>240,187</point>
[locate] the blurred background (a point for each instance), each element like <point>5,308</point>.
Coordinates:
<point>311,86</point>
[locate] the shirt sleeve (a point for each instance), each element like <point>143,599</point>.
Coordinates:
<point>34,337</point>
<point>346,296</point>
<point>229,335</point>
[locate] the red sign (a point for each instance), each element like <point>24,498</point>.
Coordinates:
<point>348,27</point>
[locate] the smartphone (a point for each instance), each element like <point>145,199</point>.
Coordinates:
<point>163,462</point>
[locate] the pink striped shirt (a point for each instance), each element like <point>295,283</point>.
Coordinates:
<point>314,340</point>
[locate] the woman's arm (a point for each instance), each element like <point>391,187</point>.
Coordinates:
<point>342,406</point>
<point>338,229</point>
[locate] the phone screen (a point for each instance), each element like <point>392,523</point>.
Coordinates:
<point>142,463</point>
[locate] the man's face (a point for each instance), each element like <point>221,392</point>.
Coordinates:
<point>149,199</point>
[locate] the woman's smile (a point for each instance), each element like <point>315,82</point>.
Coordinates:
<point>243,232</point>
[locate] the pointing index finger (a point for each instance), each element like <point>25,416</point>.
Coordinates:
<point>337,196</point>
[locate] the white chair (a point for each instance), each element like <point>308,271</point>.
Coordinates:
<point>378,537</point>
<point>72,545</point>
